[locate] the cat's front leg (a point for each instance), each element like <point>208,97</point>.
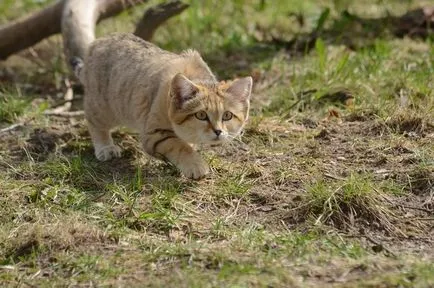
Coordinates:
<point>192,165</point>
<point>103,143</point>
<point>164,144</point>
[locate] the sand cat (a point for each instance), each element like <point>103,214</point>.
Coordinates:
<point>173,101</point>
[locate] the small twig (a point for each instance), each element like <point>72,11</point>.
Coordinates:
<point>423,219</point>
<point>15,126</point>
<point>11,128</point>
<point>301,97</point>
<point>66,114</point>
<point>417,208</point>
<point>333,176</point>
<point>294,104</point>
<point>268,84</point>
<point>379,244</point>
<point>11,167</point>
<point>373,241</point>
<point>29,284</point>
<point>234,213</point>
<point>327,203</point>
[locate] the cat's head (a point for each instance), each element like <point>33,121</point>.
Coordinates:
<point>209,113</point>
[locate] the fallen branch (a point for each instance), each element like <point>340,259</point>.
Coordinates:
<point>29,30</point>
<point>66,114</point>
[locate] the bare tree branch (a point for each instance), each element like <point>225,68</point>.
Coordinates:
<point>155,16</point>
<point>29,30</point>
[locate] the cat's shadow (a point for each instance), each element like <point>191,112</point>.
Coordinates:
<point>133,168</point>
<point>69,158</point>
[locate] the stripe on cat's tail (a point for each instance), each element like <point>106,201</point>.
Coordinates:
<point>77,66</point>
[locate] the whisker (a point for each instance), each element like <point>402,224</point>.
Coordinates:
<point>237,138</point>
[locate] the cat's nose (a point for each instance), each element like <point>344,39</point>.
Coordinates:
<point>218,132</point>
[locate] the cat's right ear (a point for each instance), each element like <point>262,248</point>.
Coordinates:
<point>241,89</point>
<point>182,90</point>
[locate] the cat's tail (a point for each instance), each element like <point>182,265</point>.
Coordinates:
<point>77,65</point>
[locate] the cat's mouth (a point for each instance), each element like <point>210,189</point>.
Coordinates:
<point>220,139</point>
<point>217,141</point>
<point>214,141</point>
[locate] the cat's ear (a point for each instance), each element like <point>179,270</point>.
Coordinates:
<point>182,89</point>
<point>241,88</point>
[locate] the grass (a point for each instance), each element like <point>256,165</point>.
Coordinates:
<point>344,203</point>
<point>12,105</point>
<point>330,186</point>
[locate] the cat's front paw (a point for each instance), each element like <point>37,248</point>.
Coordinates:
<point>195,168</point>
<point>108,152</point>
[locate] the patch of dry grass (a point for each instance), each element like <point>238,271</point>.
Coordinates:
<point>346,202</point>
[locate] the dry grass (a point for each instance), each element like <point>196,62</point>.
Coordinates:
<point>353,200</point>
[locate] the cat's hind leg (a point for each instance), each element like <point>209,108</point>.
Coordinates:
<point>103,144</point>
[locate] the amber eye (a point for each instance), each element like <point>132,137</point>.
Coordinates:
<point>227,116</point>
<point>201,115</point>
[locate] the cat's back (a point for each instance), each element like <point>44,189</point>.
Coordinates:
<point>125,47</point>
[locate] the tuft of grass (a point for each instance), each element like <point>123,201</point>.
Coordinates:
<point>420,181</point>
<point>345,202</point>
<point>32,240</point>
<point>77,171</point>
<point>12,105</point>
<point>404,123</point>
<point>160,213</point>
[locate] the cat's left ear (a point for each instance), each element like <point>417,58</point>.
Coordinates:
<point>182,89</point>
<point>241,89</point>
